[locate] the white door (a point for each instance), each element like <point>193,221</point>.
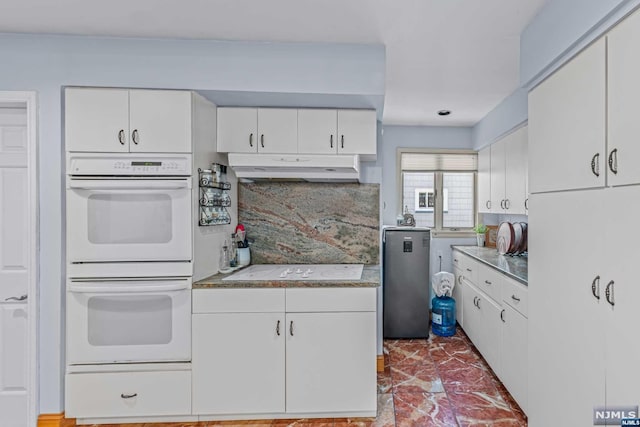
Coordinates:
<point>248,375</point>
<point>498,154</point>
<point>325,349</point>
<point>621,264</point>
<point>516,172</point>
<point>623,93</point>
<point>484,180</point>
<point>14,267</point>
<point>357,132</point>
<point>317,131</point>
<point>567,115</point>
<point>565,319</point>
<point>96,120</point>
<point>237,130</point>
<point>278,130</point>
<point>160,121</point>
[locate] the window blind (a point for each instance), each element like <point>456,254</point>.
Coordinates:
<point>439,162</point>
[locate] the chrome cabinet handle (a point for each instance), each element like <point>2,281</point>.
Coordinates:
<point>613,161</point>
<point>291,328</point>
<point>121,136</point>
<point>487,282</point>
<point>488,204</point>
<point>608,293</point>
<point>460,280</point>
<point>128,396</point>
<point>342,141</point>
<point>250,140</point>
<point>526,203</point>
<point>474,300</point>
<point>331,141</point>
<point>20,298</point>
<point>278,328</point>
<point>515,298</point>
<point>478,303</point>
<point>134,136</point>
<point>502,315</point>
<point>594,287</point>
<point>469,270</point>
<point>262,140</point>
<point>507,204</point>
<point>595,165</point>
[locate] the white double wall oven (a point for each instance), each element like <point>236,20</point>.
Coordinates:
<point>129,258</point>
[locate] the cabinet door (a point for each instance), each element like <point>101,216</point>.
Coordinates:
<point>237,130</point>
<point>516,172</point>
<point>357,133</point>
<point>458,296</point>
<point>622,319</point>
<point>317,131</point>
<point>484,180</point>
<point>470,312</point>
<point>513,367</point>
<point>331,362</point>
<point>160,121</point>
<point>567,125</point>
<point>623,93</point>
<point>96,120</point>
<point>566,328</point>
<point>490,340</point>
<point>498,154</point>
<point>277,130</point>
<point>238,363</point>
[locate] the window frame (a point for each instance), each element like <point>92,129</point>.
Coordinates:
<point>438,230</point>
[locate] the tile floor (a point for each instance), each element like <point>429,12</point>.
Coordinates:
<point>439,382</point>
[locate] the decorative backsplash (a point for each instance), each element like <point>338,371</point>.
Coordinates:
<point>311,223</point>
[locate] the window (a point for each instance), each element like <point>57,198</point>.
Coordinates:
<point>438,188</point>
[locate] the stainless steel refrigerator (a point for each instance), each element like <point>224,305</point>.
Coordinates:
<point>405,286</point>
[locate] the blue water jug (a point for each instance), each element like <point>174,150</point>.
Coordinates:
<point>443,314</point>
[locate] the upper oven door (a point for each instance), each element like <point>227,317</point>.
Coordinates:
<point>116,220</point>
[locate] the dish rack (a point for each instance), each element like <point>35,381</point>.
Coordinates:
<point>214,199</point>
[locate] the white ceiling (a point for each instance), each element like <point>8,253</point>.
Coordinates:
<point>461,55</point>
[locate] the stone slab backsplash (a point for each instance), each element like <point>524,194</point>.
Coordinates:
<point>311,223</point>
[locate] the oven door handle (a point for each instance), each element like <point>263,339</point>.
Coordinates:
<point>141,184</point>
<point>102,289</point>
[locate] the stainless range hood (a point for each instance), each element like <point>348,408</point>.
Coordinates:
<point>308,167</point>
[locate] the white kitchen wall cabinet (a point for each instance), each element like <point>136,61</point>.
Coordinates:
<point>252,354</point>
<point>484,180</point>
<point>498,175</point>
<point>509,173</point>
<point>567,115</point>
<point>567,307</point>
<point>317,131</point>
<point>127,120</point>
<point>623,92</point>
<point>357,133</point>
<point>257,130</point>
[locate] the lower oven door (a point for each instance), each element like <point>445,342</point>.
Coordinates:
<point>124,321</point>
<point>114,220</point>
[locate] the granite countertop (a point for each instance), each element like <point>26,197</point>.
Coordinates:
<point>370,279</point>
<point>515,267</point>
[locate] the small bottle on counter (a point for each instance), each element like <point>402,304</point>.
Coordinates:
<point>225,259</point>
<point>233,257</point>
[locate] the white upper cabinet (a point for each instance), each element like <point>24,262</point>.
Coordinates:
<point>122,120</point>
<point>357,133</point>
<point>623,88</point>
<point>317,131</point>
<point>567,115</point>
<point>257,130</point>
<point>498,175</point>
<point>484,180</point>
<point>278,130</point>
<point>516,172</point>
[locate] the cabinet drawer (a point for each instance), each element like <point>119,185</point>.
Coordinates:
<point>515,294</point>
<point>331,299</point>
<point>470,269</point>
<point>245,300</point>
<point>490,282</point>
<point>95,395</point>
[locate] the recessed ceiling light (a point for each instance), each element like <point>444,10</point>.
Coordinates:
<point>444,112</point>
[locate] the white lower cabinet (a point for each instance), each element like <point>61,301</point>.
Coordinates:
<point>494,310</point>
<point>254,354</point>
<point>127,394</point>
<point>458,296</point>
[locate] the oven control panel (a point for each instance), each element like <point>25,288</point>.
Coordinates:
<point>129,165</point>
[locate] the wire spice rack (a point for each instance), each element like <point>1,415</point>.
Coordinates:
<point>214,199</point>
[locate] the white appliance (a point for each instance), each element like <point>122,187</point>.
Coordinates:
<point>128,320</point>
<point>128,208</point>
<point>310,167</point>
<point>299,272</point>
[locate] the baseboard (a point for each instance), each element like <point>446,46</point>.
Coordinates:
<point>380,363</point>
<point>55,420</point>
